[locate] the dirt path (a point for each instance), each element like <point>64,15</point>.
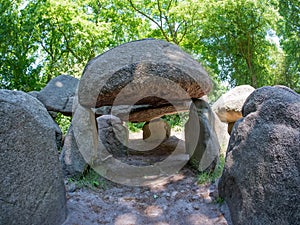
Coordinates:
<point>179,200</point>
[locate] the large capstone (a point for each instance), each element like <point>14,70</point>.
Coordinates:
<point>261,182</point>
<point>31,186</point>
<point>142,113</point>
<point>148,71</point>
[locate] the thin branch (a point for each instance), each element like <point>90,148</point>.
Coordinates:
<point>160,12</point>
<point>169,5</point>
<point>171,26</point>
<point>151,19</point>
<point>171,29</point>
<point>184,33</point>
<point>179,25</point>
<point>177,29</point>
<point>68,45</point>
<point>161,16</point>
<point>46,50</point>
<point>52,59</point>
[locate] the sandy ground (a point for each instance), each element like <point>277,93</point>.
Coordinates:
<point>179,200</point>
<point>178,132</point>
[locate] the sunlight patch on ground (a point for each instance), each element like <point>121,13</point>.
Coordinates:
<point>153,211</point>
<point>126,219</point>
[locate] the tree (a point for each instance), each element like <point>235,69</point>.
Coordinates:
<point>289,30</point>
<point>42,39</point>
<point>234,40</point>
<point>179,22</point>
<point>67,36</point>
<point>171,20</point>
<point>17,53</point>
<point>227,36</point>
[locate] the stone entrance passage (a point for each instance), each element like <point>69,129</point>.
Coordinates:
<point>141,81</point>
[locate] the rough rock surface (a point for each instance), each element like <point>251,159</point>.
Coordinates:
<point>73,163</point>
<point>142,113</point>
<point>31,186</point>
<point>229,106</point>
<point>157,129</point>
<point>58,94</point>
<point>220,129</point>
<point>177,201</point>
<point>261,182</point>
<point>113,135</point>
<point>200,138</point>
<point>34,93</point>
<point>230,127</point>
<point>158,71</point>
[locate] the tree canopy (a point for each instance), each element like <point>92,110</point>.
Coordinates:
<point>254,42</point>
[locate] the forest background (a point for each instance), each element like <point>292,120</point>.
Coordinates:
<point>255,42</point>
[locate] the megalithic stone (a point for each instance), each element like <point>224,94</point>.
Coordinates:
<point>200,138</point>
<point>141,72</point>
<point>31,187</point>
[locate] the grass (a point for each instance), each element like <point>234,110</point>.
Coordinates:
<point>219,200</point>
<point>206,177</point>
<point>90,179</point>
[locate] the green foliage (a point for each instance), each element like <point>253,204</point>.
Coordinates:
<point>169,20</point>
<point>290,42</point>
<point>135,127</point>
<point>17,51</point>
<point>64,122</point>
<point>67,36</point>
<point>217,90</point>
<point>41,39</point>
<point>219,200</point>
<point>234,40</point>
<point>176,120</point>
<point>206,177</point>
<point>90,179</point>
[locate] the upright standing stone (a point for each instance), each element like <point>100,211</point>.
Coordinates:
<point>73,163</point>
<point>200,137</point>
<point>220,129</point>
<point>31,186</point>
<point>155,130</point>
<point>261,178</point>
<point>113,135</point>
